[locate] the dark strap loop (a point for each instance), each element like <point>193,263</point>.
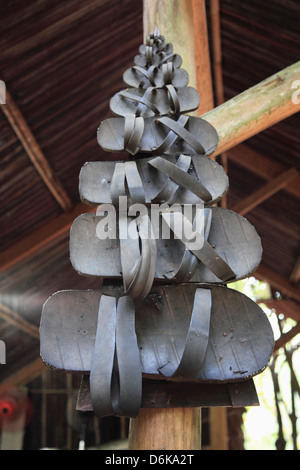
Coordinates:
<point>143,100</point>
<point>171,137</point>
<point>181,177</point>
<point>128,172</point>
<point>196,341</point>
<point>116,375</point>
<point>178,129</point>
<point>198,245</point>
<point>148,74</point>
<point>174,99</point>
<point>167,71</point>
<point>133,132</point>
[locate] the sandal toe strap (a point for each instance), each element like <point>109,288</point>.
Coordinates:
<point>181,177</point>
<point>196,342</point>
<point>116,376</point>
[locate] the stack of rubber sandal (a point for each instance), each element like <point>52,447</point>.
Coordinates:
<point>164,311</point>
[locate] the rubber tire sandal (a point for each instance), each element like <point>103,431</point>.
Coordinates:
<point>158,136</point>
<point>155,101</point>
<point>184,180</point>
<point>179,333</point>
<point>225,247</point>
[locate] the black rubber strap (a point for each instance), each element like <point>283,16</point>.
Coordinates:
<point>198,245</point>
<point>176,127</point>
<point>143,100</point>
<point>133,132</point>
<point>116,375</point>
<point>170,187</point>
<point>147,73</point>
<point>181,177</point>
<point>174,99</point>
<point>129,390</point>
<point>127,171</point>
<point>138,265</point>
<point>171,137</point>
<point>103,357</point>
<point>167,71</point>
<point>196,341</point>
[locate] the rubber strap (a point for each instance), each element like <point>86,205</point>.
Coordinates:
<point>167,70</point>
<point>103,357</point>
<point>174,98</point>
<point>189,263</point>
<point>116,375</point>
<point>141,99</point>
<point>206,253</point>
<point>176,127</point>
<point>129,395</point>
<point>171,137</point>
<point>181,177</point>
<point>127,171</point>
<point>148,74</point>
<point>133,132</point>
<point>170,187</point>
<point>138,265</point>
<point>196,341</point>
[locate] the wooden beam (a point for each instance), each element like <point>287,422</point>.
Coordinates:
<point>34,152</point>
<point>277,281</point>
<point>204,83</point>
<point>262,166</point>
<point>254,110</point>
<point>40,238</point>
<point>295,276</point>
<point>286,337</point>
<point>266,191</point>
<point>288,308</point>
<point>18,321</point>
<point>25,374</point>
<point>178,22</point>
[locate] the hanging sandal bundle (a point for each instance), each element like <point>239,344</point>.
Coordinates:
<point>164,312</point>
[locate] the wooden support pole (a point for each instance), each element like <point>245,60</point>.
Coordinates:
<point>34,152</point>
<point>183,24</point>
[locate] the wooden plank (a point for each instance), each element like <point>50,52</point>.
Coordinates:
<point>288,308</point>
<point>278,282</point>
<point>25,374</point>
<point>18,321</point>
<point>266,191</point>
<point>34,152</point>
<point>254,110</point>
<point>262,166</point>
<point>286,337</point>
<point>40,238</point>
<point>295,276</point>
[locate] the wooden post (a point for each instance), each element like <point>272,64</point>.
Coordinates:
<point>184,25</point>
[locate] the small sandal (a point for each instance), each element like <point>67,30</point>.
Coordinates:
<point>180,333</point>
<point>158,136</point>
<point>183,180</point>
<point>218,247</point>
<point>155,101</point>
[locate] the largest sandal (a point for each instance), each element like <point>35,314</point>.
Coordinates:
<point>213,245</point>
<point>158,135</point>
<point>180,333</point>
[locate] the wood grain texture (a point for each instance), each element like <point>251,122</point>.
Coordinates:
<point>166,429</point>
